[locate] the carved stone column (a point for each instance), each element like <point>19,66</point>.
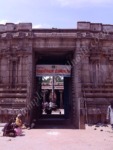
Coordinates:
<point>21,69</point>
<point>44,95</point>
<point>85,69</point>
<point>29,78</point>
<point>61,100</point>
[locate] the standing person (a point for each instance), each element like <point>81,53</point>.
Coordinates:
<point>110,114</point>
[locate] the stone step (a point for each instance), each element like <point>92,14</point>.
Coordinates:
<point>52,116</point>
<point>52,122</point>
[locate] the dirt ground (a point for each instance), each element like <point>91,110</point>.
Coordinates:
<point>92,138</point>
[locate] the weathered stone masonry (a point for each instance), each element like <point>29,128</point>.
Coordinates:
<point>91,46</point>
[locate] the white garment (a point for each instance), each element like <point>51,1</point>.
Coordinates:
<point>110,114</point>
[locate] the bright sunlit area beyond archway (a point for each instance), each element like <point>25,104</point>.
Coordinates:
<point>52,89</point>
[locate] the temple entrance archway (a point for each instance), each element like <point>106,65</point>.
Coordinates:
<point>54,66</point>
<point>70,101</point>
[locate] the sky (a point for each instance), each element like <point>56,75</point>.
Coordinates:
<point>56,13</point>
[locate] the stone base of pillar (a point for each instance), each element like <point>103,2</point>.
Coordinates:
<point>82,124</point>
<point>82,119</point>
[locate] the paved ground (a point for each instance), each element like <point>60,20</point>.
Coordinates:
<point>60,139</point>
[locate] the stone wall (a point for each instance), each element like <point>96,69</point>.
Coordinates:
<point>14,65</point>
<point>91,45</point>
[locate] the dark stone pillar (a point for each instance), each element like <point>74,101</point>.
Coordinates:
<point>61,100</point>
<point>78,117</point>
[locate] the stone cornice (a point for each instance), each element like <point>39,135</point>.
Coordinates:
<point>75,35</point>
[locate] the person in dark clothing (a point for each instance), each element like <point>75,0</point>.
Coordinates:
<point>8,129</point>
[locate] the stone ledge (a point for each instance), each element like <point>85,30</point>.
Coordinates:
<point>15,27</point>
<point>94,27</point>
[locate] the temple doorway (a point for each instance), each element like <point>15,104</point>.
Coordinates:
<point>53,82</point>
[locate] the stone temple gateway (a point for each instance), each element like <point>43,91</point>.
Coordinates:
<point>87,49</point>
